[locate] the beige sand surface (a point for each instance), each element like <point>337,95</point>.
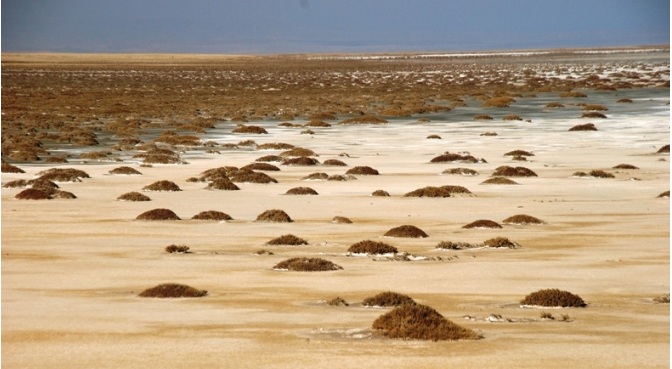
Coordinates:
<point>72,269</point>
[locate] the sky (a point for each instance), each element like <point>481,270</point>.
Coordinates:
<point>327,26</point>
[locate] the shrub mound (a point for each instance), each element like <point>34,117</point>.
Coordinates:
<point>664,194</point>
<point>33,194</point>
<point>593,114</point>
<point>158,214</point>
<point>275,146</point>
<point>125,171</point>
<point>664,149</point>
<point>63,195</point>
<point>500,181</point>
<point>337,301</point>
<point>521,219</point>
<point>248,176</point>
<point>498,102</point>
<point>388,298</point>
<point>449,245</point>
<point>519,153</point>
<point>443,191</point>
<point>507,171</point>
<point>583,127</point>
<point>223,184</point>
<point>19,183</point>
<point>9,168</point>
<point>172,290</point>
<point>334,163</point>
<point>433,137</point>
<point>362,170</point>
<point>512,117</point>
<point>303,161</point>
<point>482,117</point>
<point>133,196</point>
<point>317,123</point>
<point>461,171</point>
<point>600,174</point>
<point>162,186</point>
<point>249,129</point>
<point>406,231</point>
<point>269,158</point>
<point>63,175</point>
<point>501,242</point>
<point>380,193</point>
<point>553,297</point>
<point>372,247</point>
<point>287,239</point>
<point>261,166</point>
<point>307,265</point>
<point>421,322</point>
<point>572,94</point>
<point>274,216</point>
<point>449,157</point>
<point>298,151</point>
<point>482,223</point>
<point>625,166</point>
<point>341,220</point>
<point>319,176</point>
<point>212,215</point>
<point>365,119</point>
<point>177,249</point>
<point>301,191</point>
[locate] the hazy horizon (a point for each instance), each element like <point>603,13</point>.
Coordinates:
<point>312,26</point>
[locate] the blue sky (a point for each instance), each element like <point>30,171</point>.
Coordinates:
<point>296,26</point>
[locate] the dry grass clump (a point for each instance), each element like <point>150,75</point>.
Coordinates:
<point>572,94</point>
<point>177,249</point>
<point>307,132</point>
<point>340,178</point>
<point>319,176</point>
<point>406,231</point>
<point>362,170</point>
<point>512,117</point>
<point>263,252</point>
<point>249,129</point>
<point>519,153</point>
<point>625,166</point>
<point>212,215</point>
<point>63,175</point>
<point>303,161</point>
<point>307,265</point>
<point>482,117</point>
<point>337,301</point>
<point>500,181</point>
<point>96,155</point>
<point>664,299</point>
<point>583,127</point>
<point>261,166</point>
<point>449,245</point>
<point>220,172</point>
<point>334,163</point>
<point>125,171</point>
<point>55,160</point>
<point>162,185</point>
<point>482,223</point>
<point>600,174</point>
<point>270,158</point>
<point>624,100</point>
<point>380,193</point>
<point>507,171</point>
<point>160,156</point>
<point>553,105</point>
<point>448,157</point>
<point>133,196</point>
<point>341,220</point>
<point>421,322</point>
<point>442,191</point>
<point>9,168</point>
<point>488,134</point>
<point>298,151</point>
<point>433,137</point>
<point>248,176</point>
<point>43,184</point>
<point>664,194</point>
<point>287,239</point>
<point>274,216</point>
<point>388,298</point>
<point>501,242</point>
<point>223,184</point>
<point>301,191</point>
<point>522,219</point>
<point>461,171</point>
<point>664,149</point>
<point>275,146</point>
<point>593,114</point>
<point>19,183</point>
<point>594,107</point>
<point>172,290</point>
<point>33,194</point>
<point>498,102</point>
<point>63,195</point>
<point>372,247</point>
<point>318,124</point>
<point>553,297</point>
<point>158,214</point>
<point>365,119</point>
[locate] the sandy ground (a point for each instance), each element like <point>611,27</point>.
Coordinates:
<point>72,269</point>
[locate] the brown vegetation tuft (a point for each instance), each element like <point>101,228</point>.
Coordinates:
<point>449,245</point>
<point>158,214</point>
<point>553,297</point>
<point>33,194</point>
<point>212,215</point>
<point>512,117</point>
<point>269,158</point>
<point>125,170</point>
<point>249,176</point>
<point>372,247</point>
<point>341,220</point>
<point>625,166</point>
<point>337,301</point>
<point>519,153</point>
<point>317,123</point>
<point>553,105</point>
<point>274,216</point>
<point>573,94</point>
<point>500,181</point>
<point>520,219</point>
<point>303,161</point>
<point>261,166</point>
<point>461,171</point>
<point>501,242</point>
<point>593,114</point>
<point>287,239</point>
<point>433,137</point>
<point>482,223</point>
<point>664,149</point>
<point>365,119</point>
<point>249,129</point>
<point>177,249</point>
<point>9,168</point>
<point>583,127</point>
<point>594,107</point>
<point>442,191</point>
<point>307,265</point>
<point>223,183</point>
<point>298,151</point>
<point>172,290</point>
<point>664,194</point>
<point>380,193</point>
<point>63,175</point>
<point>301,191</point>
<point>316,177</point>
<point>507,171</point>
<point>600,174</point>
<point>421,322</point>
<point>482,117</point>
<point>498,102</point>
<point>162,185</point>
<point>456,158</point>
<point>334,163</point>
<point>133,196</point>
<point>406,231</point>
<point>388,298</point>
<point>362,170</point>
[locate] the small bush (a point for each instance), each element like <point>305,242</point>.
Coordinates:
<point>63,175</point>
<point>162,186</point>
<point>307,265</point>
<point>553,297</point>
<point>302,161</point>
<point>664,194</point>
<point>500,181</point>
<point>223,184</point>
<point>270,158</point>
<point>456,158</point>
<point>594,107</point>
<point>275,146</point>
<point>593,114</point>
<point>19,183</point>
<point>583,127</point>
<point>507,171</point>
<point>249,129</point>
<point>212,215</point>
<point>366,119</point>
<point>433,137</point>
<point>341,220</point>
<point>337,301</point>
<point>625,166</point>
<point>298,151</point>
<point>443,191</point>
<point>553,105</point>
<point>9,168</point>
<point>482,223</point>
<point>521,219</point>
<point>125,171</point>
<point>501,242</point>
<point>421,322</point>
<point>261,166</point>
<point>362,170</point>
<point>317,123</point>
<point>449,245</point>
<point>573,94</point>
<point>172,290</point>
<point>600,174</point>
<point>406,231</point>
<point>177,249</point>
<point>372,247</point>
<point>461,171</point>
<point>625,100</point>
<point>498,102</point>
<point>287,239</point>
<point>664,299</point>
<point>263,252</point>
<point>664,149</point>
<point>512,117</point>
<point>33,194</point>
<point>63,195</point>
<point>380,193</point>
<point>519,153</point>
<point>388,298</point>
<point>274,216</point>
<point>546,316</point>
<point>301,191</point>
<point>158,214</point>
<point>334,163</point>
<point>482,117</point>
<point>316,177</point>
<point>245,176</point>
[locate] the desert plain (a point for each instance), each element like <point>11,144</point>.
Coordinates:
<point>72,268</point>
